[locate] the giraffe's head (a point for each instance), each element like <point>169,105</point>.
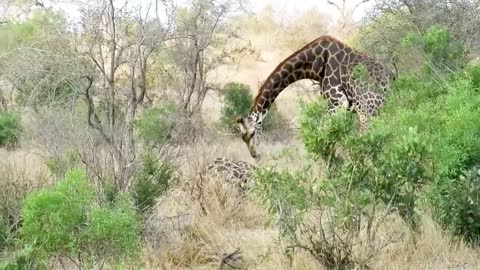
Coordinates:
<point>249,134</point>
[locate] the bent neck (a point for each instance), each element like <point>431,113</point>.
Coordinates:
<point>305,64</point>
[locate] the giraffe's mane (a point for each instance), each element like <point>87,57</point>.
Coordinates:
<point>279,66</point>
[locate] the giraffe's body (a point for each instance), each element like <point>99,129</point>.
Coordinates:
<point>237,173</point>
<point>333,65</point>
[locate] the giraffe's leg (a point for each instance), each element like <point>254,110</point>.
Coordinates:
<point>363,122</point>
<point>368,106</point>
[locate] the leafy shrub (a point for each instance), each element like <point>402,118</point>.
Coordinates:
<point>445,113</point>
<point>155,124</point>
<point>65,221</point>
<point>441,50</point>
<point>363,177</point>
<point>9,130</point>
<point>456,202</point>
<point>474,73</point>
<point>113,232</point>
<point>392,166</point>
<point>237,101</point>
<point>153,180</point>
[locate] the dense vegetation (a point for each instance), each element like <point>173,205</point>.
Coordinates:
<point>420,154</point>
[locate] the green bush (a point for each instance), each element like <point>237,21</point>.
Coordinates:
<point>153,180</point>
<point>363,177</point>
<point>9,130</point>
<point>456,203</point>
<point>237,102</point>
<point>445,113</point>
<point>473,72</point>
<point>155,124</point>
<point>391,166</point>
<point>441,50</point>
<point>113,232</point>
<point>66,221</point>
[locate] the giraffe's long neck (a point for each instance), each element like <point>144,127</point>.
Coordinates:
<point>307,63</point>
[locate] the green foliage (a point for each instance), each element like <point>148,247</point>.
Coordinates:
<point>441,49</point>
<point>473,72</point>
<point>287,196</point>
<point>16,34</point>
<point>51,90</point>
<point>363,176</point>
<point>391,166</point>
<point>319,143</point>
<point>153,180</point>
<point>383,37</point>
<point>155,124</point>
<point>9,130</point>
<point>23,259</point>
<point>58,166</point>
<point>445,113</point>
<point>456,201</point>
<point>64,220</point>
<point>113,231</point>
<point>237,101</point>
<point>53,218</point>
<point>360,72</point>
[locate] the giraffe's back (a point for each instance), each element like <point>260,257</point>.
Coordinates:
<point>238,172</point>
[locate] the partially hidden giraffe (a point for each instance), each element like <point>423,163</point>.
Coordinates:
<point>332,64</point>
<point>238,173</point>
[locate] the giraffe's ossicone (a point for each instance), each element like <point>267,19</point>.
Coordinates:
<point>347,79</point>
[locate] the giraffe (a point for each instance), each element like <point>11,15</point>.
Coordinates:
<point>332,64</point>
<point>238,173</point>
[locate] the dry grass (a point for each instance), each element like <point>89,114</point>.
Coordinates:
<point>21,172</point>
<point>195,240</point>
<point>433,250</point>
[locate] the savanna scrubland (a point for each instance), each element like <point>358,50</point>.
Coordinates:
<point>107,117</point>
